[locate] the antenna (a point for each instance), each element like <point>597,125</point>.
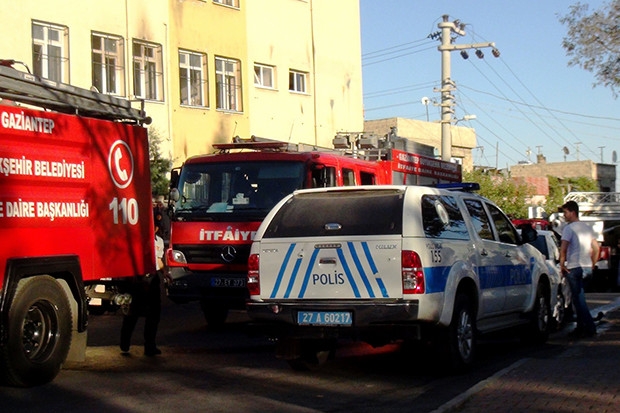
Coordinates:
<point>614,157</point>
<point>566,152</point>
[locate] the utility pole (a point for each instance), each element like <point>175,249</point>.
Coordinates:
<point>447,85</point>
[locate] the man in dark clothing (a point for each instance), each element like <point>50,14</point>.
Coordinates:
<point>146,302</point>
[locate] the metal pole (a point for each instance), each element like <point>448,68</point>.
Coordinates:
<point>446,87</point>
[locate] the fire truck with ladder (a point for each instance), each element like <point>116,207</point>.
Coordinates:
<point>75,208</point>
<point>219,200</point>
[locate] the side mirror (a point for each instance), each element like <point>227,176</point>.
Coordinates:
<point>174,194</point>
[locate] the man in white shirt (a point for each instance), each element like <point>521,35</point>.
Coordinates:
<point>578,254</point>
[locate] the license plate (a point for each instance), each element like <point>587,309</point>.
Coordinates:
<point>324,318</point>
<point>228,282</point>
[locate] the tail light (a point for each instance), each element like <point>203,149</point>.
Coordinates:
<point>604,253</point>
<point>413,273</point>
<point>253,276</point>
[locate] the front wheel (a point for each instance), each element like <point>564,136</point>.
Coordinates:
<point>38,334</point>
<point>215,315</point>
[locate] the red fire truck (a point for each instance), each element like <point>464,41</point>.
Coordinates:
<point>220,200</point>
<point>75,207</point>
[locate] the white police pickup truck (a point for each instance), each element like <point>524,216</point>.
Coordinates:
<point>387,263</point>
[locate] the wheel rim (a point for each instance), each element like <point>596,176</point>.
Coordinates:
<point>464,335</point>
<point>559,309</point>
<point>40,331</point>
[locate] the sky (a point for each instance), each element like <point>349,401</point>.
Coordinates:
<point>526,102</point>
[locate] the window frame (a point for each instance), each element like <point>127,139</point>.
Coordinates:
<point>229,96</point>
<point>228,3</point>
<point>108,74</point>
<point>259,76</point>
<point>148,75</point>
<point>297,81</point>
<point>191,83</point>
<point>44,63</point>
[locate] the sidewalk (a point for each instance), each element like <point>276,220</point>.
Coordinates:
<point>583,378</point>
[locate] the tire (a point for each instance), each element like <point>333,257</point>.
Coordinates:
<point>540,318</point>
<point>461,335</point>
<point>38,334</point>
<point>215,315</point>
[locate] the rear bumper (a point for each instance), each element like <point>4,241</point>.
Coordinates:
<point>391,320</point>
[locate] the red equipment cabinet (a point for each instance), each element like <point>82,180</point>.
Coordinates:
<point>75,207</point>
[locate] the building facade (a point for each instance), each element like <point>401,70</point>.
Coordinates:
<point>603,174</point>
<point>206,70</point>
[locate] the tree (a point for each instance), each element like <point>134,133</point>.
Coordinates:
<point>593,42</point>
<point>559,188</point>
<point>511,196</point>
<point>160,166</point>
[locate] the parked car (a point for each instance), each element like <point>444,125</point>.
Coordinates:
<point>548,243</point>
<point>386,263</point>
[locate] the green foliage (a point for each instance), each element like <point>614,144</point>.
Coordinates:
<point>559,187</point>
<point>160,166</point>
<point>512,197</point>
<point>593,42</point>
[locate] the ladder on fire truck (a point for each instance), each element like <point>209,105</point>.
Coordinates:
<point>364,151</point>
<point>26,88</point>
<point>596,204</point>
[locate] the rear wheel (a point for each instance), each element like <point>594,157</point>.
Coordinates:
<point>38,334</point>
<point>461,337</point>
<point>306,355</point>
<point>538,329</point>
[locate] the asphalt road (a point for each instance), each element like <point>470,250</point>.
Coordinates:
<point>231,371</point>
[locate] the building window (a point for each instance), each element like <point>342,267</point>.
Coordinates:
<point>50,51</point>
<point>297,81</point>
<point>264,75</point>
<point>230,3</point>
<point>193,78</point>
<point>228,79</point>
<point>148,77</point>
<point>108,63</point>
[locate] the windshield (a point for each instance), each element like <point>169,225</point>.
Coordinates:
<point>216,191</point>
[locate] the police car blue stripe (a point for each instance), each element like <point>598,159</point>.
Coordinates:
<point>374,269</point>
<point>492,276</point>
<point>435,279</point>
<point>276,286</point>
<point>360,269</point>
<point>347,271</point>
<point>302,292</point>
<point>291,282</point>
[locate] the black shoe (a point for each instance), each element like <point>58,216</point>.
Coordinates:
<point>152,352</point>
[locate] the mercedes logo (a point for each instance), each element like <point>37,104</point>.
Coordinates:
<point>228,253</point>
